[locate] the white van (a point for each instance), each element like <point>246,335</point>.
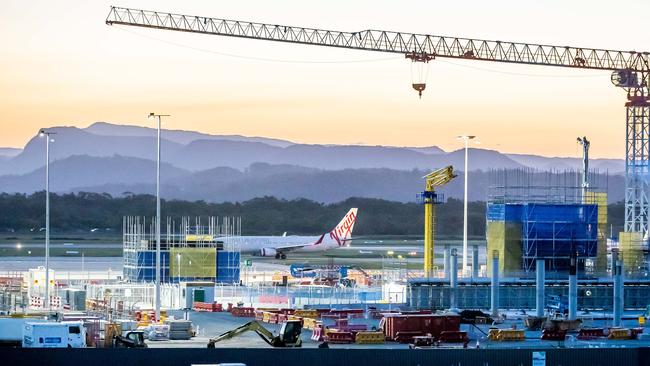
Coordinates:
<point>54,335</point>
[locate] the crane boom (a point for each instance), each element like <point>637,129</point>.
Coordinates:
<point>410,44</point>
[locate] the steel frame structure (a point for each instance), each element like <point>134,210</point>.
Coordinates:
<point>627,66</point>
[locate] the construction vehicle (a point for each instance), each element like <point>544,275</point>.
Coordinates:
<point>435,179</point>
<point>289,334</point>
<point>133,339</point>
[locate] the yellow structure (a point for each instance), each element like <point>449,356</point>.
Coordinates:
<point>433,180</point>
<point>505,238</point>
<point>630,245</point>
<point>600,199</point>
<point>193,262</point>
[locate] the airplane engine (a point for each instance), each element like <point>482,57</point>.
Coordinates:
<point>268,252</point>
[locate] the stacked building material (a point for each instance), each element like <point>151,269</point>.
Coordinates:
<point>180,329</point>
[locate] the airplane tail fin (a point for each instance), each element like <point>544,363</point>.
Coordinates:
<point>342,233</point>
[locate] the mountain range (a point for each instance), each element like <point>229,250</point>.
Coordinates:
<point>115,159</point>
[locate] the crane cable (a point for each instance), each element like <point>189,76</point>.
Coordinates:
<point>265,59</point>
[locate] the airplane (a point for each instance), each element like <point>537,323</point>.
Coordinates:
<point>279,246</point>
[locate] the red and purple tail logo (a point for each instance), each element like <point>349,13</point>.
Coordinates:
<point>343,230</point>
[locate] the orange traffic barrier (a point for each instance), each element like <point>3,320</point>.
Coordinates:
<point>317,333</point>
<point>591,333</point>
<point>339,337</point>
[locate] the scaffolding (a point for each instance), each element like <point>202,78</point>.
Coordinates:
<point>546,214</point>
<point>190,250</point>
<point>527,185</point>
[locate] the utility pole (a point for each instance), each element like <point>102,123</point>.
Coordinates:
<point>466,139</point>
<point>159,117</point>
<point>585,165</point>
<point>47,134</point>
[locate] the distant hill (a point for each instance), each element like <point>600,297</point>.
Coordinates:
<point>118,174</point>
<point>113,158</point>
<point>613,166</point>
<point>195,151</point>
<point>79,171</point>
<point>9,151</point>
<point>178,136</point>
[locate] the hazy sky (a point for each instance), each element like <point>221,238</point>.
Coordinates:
<point>61,65</point>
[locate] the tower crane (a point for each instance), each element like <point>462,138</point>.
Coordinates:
<point>630,71</point>
<point>433,180</point>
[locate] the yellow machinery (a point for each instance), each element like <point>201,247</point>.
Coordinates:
<point>289,334</point>
<point>437,178</point>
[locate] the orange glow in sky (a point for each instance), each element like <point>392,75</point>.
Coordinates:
<point>61,65</point>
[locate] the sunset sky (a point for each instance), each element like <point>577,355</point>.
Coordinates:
<point>60,64</point>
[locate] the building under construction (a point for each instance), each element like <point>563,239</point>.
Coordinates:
<point>535,215</point>
<point>190,250</point>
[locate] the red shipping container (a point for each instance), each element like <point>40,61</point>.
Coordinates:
<point>424,324</point>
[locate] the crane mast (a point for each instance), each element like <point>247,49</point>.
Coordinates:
<point>630,71</point>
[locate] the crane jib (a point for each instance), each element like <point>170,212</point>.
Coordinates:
<point>392,42</point>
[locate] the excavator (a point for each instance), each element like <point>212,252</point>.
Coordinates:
<point>289,334</point>
<point>133,339</point>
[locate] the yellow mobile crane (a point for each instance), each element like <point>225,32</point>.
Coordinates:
<point>437,178</point>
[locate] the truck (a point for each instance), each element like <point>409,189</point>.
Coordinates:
<point>70,334</point>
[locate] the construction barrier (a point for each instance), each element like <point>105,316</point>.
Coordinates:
<point>590,333</point>
<point>306,313</point>
<point>370,338</point>
<point>259,315</point>
<point>339,337</point>
<point>317,333</point>
<point>293,317</point>
<point>309,323</point>
<point>243,312</point>
<point>206,306</point>
<point>345,326</point>
<point>619,333</point>
<point>346,313</point>
<point>266,316</point>
<point>506,335</point>
<point>273,318</point>
<point>554,334</point>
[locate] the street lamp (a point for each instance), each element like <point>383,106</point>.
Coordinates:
<point>159,117</point>
<point>178,258</point>
<point>47,134</point>
<point>466,139</point>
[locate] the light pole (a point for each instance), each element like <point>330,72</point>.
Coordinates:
<point>47,134</point>
<point>159,117</point>
<point>178,258</point>
<point>466,139</point>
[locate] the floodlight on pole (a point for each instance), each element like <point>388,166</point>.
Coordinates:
<point>159,117</point>
<point>466,139</point>
<point>47,134</point>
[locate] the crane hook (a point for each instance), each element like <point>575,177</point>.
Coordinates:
<point>419,87</point>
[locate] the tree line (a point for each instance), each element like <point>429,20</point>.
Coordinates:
<point>83,211</point>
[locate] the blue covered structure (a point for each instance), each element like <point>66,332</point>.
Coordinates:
<point>549,231</point>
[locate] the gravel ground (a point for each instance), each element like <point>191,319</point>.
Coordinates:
<point>214,324</point>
